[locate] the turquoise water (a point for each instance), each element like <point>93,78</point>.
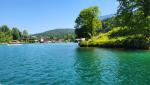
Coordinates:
<point>68,64</point>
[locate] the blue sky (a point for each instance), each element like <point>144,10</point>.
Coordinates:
<point>42,15</point>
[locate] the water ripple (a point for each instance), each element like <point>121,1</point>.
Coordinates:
<point>68,64</point>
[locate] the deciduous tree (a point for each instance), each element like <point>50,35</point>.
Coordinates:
<point>88,22</point>
<point>15,33</point>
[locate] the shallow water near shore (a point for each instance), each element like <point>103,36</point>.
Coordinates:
<point>69,64</point>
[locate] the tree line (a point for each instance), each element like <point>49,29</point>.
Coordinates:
<point>7,34</point>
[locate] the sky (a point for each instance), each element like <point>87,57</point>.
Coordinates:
<point>42,15</point>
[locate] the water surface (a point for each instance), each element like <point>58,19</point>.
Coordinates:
<point>68,64</point>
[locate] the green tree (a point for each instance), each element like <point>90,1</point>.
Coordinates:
<point>4,37</point>
<point>144,6</point>
<point>15,33</point>
<point>131,11</point>
<point>4,28</point>
<point>5,34</point>
<point>25,34</point>
<point>88,22</point>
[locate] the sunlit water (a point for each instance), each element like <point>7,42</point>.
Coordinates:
<point>68,64</point>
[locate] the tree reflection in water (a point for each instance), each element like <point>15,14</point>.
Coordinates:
<point>95,67</point>
<point>87,66</point>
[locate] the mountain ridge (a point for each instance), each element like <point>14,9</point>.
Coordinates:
<point>106,16</point>
<point>58,33</point>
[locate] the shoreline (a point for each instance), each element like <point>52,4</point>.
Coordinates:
<point>34,43</point>
<point>115,47</point>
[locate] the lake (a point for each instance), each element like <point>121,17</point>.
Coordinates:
<point>68,64</point>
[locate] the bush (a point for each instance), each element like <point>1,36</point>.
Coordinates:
<point>120,38</point>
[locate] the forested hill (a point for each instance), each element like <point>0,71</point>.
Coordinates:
<point>56,33</point>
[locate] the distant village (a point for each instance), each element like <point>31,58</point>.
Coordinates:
<point>34,39</point>
<point>49,40</point>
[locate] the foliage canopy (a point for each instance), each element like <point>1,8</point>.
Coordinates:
<point>88,23</point>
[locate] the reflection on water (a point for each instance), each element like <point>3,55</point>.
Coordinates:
<point>87,66</point>
<point>109,67</point>
<point>96,67</point>
<point>134,67</point>
<point>68,64</point>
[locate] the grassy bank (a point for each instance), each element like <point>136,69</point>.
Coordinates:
<point>120,37</point>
